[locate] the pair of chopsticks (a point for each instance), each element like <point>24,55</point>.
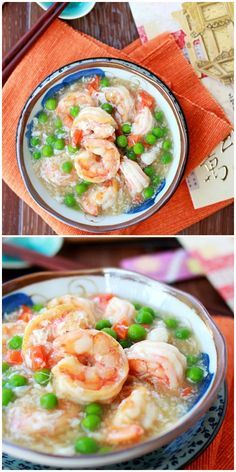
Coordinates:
<point>30,37</point>
<point>50,263</point>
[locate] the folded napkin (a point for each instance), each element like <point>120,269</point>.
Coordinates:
<point>207,123</point>
<point>220,454</point>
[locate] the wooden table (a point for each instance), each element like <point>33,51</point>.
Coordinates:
<point>113,24</point>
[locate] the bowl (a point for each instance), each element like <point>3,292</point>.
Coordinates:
<point>73,11</point>
<point>38,288</point>
<point>44,245</point>
<point>124,70</point>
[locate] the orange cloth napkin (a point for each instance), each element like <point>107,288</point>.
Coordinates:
<point>207,123</point>
<point>220,454</point>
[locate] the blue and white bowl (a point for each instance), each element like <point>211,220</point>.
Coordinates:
<point>125,70</point>
<point>38,288</point>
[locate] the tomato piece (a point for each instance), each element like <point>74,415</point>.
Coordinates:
<point>94,84</point>
<point>121,329</point>
<point>25,313</point>
<point>14,357</point>
<point>77,137</point>
<point>186,392</point>
<point>146,100</point>
<point>133,139</point>
<point>38,356</point>
<point>102,299</point>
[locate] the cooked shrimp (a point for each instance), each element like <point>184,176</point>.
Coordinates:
<point>79,302</point>
<point>134,416</point>
<point>99,161</point>
<point>100,198</point>
<point>157,362</point>
<point>120,97</point>
<point>11,329</point>
<point>51,171</point>
<point>148,157</point>
<point>143,122</point>
<point>93,367</point>
<point>160,333</point>
<point>27,419</point>
<point>94,121</point>
<point>135,178</point>
<point>71,99</point>
<point>119,310</point>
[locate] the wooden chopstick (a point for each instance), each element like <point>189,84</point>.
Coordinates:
<point>26,42</point>
<point>51,263</point>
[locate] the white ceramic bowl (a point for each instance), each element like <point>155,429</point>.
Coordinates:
<point>45,285</point>
<point>111,67</point>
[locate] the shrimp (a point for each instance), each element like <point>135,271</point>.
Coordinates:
<point>71,99</point>
<point>134,416</point>
<point>29,420</point>
<point>99,161</point>
<point>148,157</point>
<point>93,367</point>
<point>100,198</point>
<point>143,122</point>
<point>11,329</point>
<point>157,362</point>
<point>79,302</point>
<point>159,333</point>
<point>51,171</point>
<point>135,178</point>
<point>94,121</point>
<point>120,97</point>
<point>119,310</point>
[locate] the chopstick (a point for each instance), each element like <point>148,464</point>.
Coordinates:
<point>29,38</point>
<point>51,263</point>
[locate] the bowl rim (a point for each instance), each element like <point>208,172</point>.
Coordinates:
<point>154,443</point>
<point>67,70</point>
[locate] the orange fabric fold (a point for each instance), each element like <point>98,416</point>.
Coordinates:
<point>207,123</point>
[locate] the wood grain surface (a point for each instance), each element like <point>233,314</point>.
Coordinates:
<point>113,24</point>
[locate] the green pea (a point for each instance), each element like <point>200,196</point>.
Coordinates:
<point>4,382</point>
<point>166,145</point>
<point>91,422</point>
<point>156,180</point>
<point>107,107</point>
<point>165,131</point>
<point>149,170</point>
<point>69,200</point>
<point>42,117</point>
<point>166,158</point>
<point>85,445</point>
<point>67,167</point>
<point>36,155</point>
<point>171,323</point>
<point>58,123</point>
<point>37,307</point>
<point>147,309</point>
<point>195,374</point>
<point>182,333</point>
<point>150,139</point>
<point>7,396</point>
<point>51,140</point>
<point>126,128</point>
<point>137,306</point>
<point>138,148</point>
<point>144,317</point>
<point>59,144</point>
<point>5,367</point>
<point>94,409</point>
<point>74,111</point>
<point>51,104</point>
<point>17,380</point>
<point>103,324</point>
<point>158,132</point>
<point>136,332</point>
<point>81,188</point>
<point>125,343</point>
<point>121,141</point>
<point>159,115</point>
<point>72,149</point>
<point>42,377</point>
<point>35,141</point>
<point>191,360</point>
<point>110,331</point>
<point>47,150</point>
<point>48,401</point>
<point>104,82</point>
<point>15,342</point>
<point>148,192</point>
<point>131,154</point>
